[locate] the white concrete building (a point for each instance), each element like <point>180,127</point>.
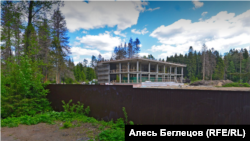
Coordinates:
<point>137,70</point>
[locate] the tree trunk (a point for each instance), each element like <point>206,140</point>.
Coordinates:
<point>29,26</point>
<point>204,66</point>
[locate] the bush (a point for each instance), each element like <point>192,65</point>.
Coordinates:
<point>69,81</point>
<point>22,89</point>
<point>75,108</point>
<point>53,82</point>
<point>236,85</point>
<point>66,124</point>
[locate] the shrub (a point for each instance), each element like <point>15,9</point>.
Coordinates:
<point>22,89</point>
<point>66,124</point>
<point>75,108</point>
<point>236,85</point>
<point>87,110</point>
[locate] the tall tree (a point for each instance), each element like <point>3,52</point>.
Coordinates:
<point>212,62</point>
<point>34,10</point>
<point>137,47</point>
<point>219,70</point>
<point>204,50</point>
<point>99,57</point>
<point>130,51</point>
<point>60,42</point>
<point>85,62</point>
<point>93,61</point>
<point>44,41</point>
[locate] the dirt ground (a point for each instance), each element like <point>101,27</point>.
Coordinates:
<point>205,88</point>
<point>46,132</point>
<point>205,85</point>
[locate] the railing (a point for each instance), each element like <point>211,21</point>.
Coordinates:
<point>144,79</point>
<point>103,77</point>
<point>100,73</point>
<point>104,68</point>
<point>134,70</point>
<point>140,58</point>
<point>122,70</point>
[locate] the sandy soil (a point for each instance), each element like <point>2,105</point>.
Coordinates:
<point>46,132</point>
<point>204,88</point>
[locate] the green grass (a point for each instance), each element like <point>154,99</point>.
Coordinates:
<point>110,131</point>
<point>194,81</point>
<point>236,85</point>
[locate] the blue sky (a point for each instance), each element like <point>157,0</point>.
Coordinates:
<point>163,27</point>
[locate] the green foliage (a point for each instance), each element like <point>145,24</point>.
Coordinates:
<point>75,108</point>
<point>83,73</point>
<point>219,70</point>
<point>131,122</point>
<point>80,108</point>
<point>53,82</point>
<point>112,135</point>
<point>66,106</point>
<point>114,132</point>
<point>22,89</point>
<point>69,80</point>
<point>87,110</point>
<point>236,85</point>
<point>66,124</point>
<point>125,114</point>
<point>117,78</point>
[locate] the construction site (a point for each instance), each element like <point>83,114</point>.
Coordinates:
<point>138,70</point>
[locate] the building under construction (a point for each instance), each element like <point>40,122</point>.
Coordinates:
<point>137,70</point>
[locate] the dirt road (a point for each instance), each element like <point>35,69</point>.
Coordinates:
<point>45,132</point>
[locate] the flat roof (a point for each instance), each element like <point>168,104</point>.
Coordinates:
<point>145,60</point>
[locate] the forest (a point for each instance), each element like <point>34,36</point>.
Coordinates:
<point>207,64</point>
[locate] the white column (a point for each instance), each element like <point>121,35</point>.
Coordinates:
<point>149,71</point>
<point>175,72</point>
<point>128,72</point>
<point>156,72</point>
<point>137,69</point>
<point>120,73</point>
<point>181,74</point>
<point>170,73</point>
<point>137,66</point>
<point>164,73</point>
<point>140,77</point>
<point>140,72</point>
<point>109,73</point>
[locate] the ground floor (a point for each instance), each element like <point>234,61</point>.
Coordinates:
<point>139,78</point>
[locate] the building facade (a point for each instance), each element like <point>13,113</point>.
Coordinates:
<point>137,70</point>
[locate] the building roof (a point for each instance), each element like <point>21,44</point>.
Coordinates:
<point>145,60</point>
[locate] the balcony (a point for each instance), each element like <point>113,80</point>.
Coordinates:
<point>103,77</point>
<point>103,68</point>
<point>103,73</point>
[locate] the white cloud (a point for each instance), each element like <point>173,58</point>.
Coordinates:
<point>197,4</point>
<point>222,32</point>
<point>101,42</point>
<point>119,33</point>
<point>150,9</point>
<point>144,31</point>
<point>76,44</point>
<point>85,32</point>
<point>124,14</point>
<point>143,54</point>
<point>79,54</point>
<point>204,13</point>
<point>83,51</point>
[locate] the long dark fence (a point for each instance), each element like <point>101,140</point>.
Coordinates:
<point>156,106</point>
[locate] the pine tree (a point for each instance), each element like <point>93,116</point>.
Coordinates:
<point>219,70</point>
<point>59,42</point>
